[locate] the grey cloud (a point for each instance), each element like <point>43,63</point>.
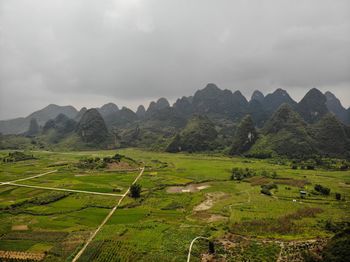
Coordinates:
<point>137,50</point>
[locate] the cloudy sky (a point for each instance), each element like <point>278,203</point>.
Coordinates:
<point>89,52</point>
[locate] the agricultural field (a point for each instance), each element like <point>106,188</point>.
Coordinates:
<point>53,205</point>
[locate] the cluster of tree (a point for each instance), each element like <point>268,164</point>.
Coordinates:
<point>17,156</point>
<point>241,173</point>
<point>322,189</point>
<point>266,189</point>
<point>97,162</point>
<point>338,247</point>
<point>317,161</point>
<point>269,174</point>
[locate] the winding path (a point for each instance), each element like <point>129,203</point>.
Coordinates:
<point>190,249</point>
<point>78,255</point>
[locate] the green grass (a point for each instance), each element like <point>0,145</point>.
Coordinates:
<point>160,225</point>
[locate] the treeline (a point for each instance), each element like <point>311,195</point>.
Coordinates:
<point>99,163</point>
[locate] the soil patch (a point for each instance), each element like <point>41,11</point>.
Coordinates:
<point>211,198</point>
<point>118,166</point>
<point>19,228</point>
<point>16,255</point>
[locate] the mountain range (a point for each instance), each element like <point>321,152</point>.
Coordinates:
<point>211,119</point>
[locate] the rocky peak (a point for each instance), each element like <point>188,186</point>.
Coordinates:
<point>257,95</point>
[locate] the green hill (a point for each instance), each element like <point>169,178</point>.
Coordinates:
<point>285,133</point>
<point>330,136</point>
<point>245,136</point>
<point>198,135</point>
<point>92,129</point>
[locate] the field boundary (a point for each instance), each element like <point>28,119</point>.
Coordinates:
<point>78,255</point>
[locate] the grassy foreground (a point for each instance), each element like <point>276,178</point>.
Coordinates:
<point>183,196</point>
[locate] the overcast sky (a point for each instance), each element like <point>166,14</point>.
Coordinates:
<point>86,53</point>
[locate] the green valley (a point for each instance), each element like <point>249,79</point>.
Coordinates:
<point>182,196</point>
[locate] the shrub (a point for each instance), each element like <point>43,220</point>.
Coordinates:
<point>337,196</point>
<point>294,166</point>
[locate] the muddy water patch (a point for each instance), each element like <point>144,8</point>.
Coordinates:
<point>187,189</point>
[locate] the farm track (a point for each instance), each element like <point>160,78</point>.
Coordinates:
<point>27,178</point>
<point>63,189</point>
<point>78,255</point>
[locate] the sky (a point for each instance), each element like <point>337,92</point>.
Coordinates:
<point>90,52</point>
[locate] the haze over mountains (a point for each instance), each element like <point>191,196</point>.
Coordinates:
<point>211,119</point>
<point>209,100</point>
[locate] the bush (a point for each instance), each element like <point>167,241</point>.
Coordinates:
<point>323,190</point>
<point>265,191</point>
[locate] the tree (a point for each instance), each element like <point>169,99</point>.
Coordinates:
<point>337,196</point>
<point>211,247</point>
<point>135,190</point>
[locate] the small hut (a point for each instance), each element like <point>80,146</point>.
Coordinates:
<point>303,194</point>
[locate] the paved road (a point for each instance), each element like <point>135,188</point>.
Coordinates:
<point>78,255</point>
<point>190,249</point>
<point>26,178</point>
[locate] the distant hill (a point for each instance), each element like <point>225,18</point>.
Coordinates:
<point>108,109</point>
<point>258,96</point>
<point>334,106</point>
<point>141,111</point>
<point>274,100</point>
<point>21,125</point>
<point>245,136</point>
<point>198,135</point>
<point>211,119</point>
<point>33,129</point>
<point>93,130</point>
<point>313,106</point>
<point>330,136</point>
<point>219,103</point>
<point>285,133</point>
<point>80,114</point>
<point>57,129</point>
